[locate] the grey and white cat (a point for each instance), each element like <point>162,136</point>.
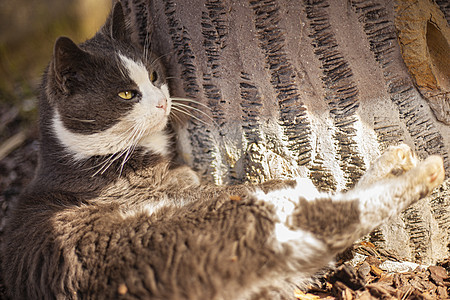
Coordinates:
<point>109,215</point>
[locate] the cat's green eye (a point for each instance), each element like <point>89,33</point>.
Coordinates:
<point>153,76</point>
<point>127,95</point>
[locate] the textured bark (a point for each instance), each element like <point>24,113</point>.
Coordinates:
<point>310,88</point>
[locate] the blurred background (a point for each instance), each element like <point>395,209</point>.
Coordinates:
<point>28,30</point>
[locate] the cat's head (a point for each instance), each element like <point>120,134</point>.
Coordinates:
<point>108,95</point>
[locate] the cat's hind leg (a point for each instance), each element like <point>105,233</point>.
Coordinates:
<point>314,231</point>
<point>395,161</point>
<point>390,196</point>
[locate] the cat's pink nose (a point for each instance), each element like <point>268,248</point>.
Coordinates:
<point>162,103</point>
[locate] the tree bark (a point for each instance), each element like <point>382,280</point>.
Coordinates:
<point>299,88</point>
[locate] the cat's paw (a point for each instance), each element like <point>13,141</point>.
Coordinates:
<point>430,173</point>
<point>395,161</point>
<point>400,159</point>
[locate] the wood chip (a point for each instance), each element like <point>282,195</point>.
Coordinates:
<point>442,292</point>
<point>298,294</point>
<point>376,271</point>
<point>438,274</point>
<point>364,270</point>
<point>372,260</point>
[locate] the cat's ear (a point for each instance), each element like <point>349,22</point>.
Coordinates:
<point>67,59</point>
<point>119,28</point>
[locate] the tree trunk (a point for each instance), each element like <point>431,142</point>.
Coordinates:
<point>304,88</point>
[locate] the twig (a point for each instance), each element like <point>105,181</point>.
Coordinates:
<point>12,143</point>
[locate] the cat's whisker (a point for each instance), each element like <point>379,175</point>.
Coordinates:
<point>125,159</point>
<point>81,120</point>
<point>139,132</point>
<point>104,165</point>
<point>120,66</point>
<point>108,163</point>
<point>190,100</point>
<point>180,102</point>
<point>179,109</point>
<point>128,155</point>
<point>133,139</point>
<point>158,58</point>
<point>187,107</point>
<point>146,46</point>
<point>132,135</point>
<point>193,108</point>
<point>176,117</point>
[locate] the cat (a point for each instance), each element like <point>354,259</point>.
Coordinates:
<point>109,214</point>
